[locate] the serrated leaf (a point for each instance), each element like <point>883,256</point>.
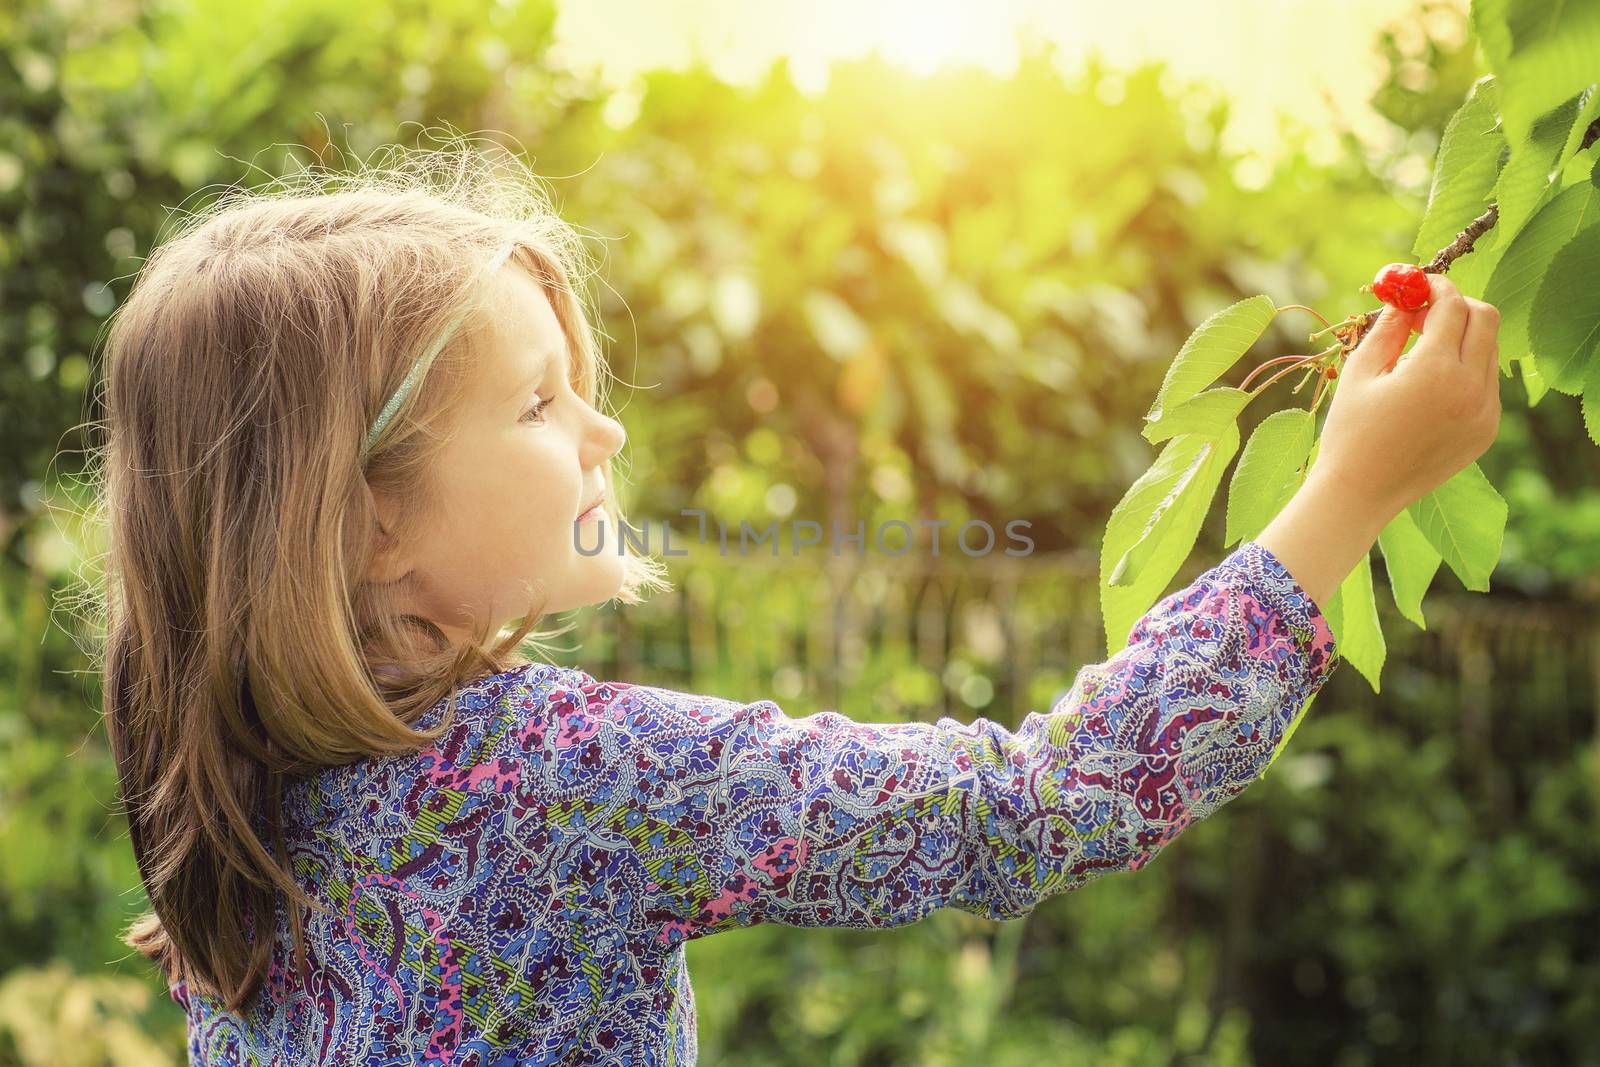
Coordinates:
<point>1268,472</point>
<point>1588,111</point>
<point>1516,278</point>
<point>1127,569</point>
<point>1181,501</point>
<point>1545,54</point>
<point>1471,272</point>
<point>1411,563</point>
<point>1591,402</point>
<point>1564,321</point>
<point>1525,178</point>
<point>1464,170</point>
<point>1215,345</point>
<point>1209,414</point>
<point>1573,171</point>
<point>1122,606</point>
<point>1465,519</point>
<point>1532,380</point>
<point>1356,631</point>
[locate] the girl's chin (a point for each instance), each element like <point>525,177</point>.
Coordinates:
<point>599,578</point>
<point>611,584</point>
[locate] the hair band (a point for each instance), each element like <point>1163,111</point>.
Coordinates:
<point>425,361</point>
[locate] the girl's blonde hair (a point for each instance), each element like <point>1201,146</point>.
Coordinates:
<point>242,646</point>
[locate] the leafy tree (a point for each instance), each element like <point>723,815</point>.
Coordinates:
<point>953,297</point>
<point>1512,210</point>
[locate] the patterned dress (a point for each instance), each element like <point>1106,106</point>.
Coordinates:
<point>521,892</point>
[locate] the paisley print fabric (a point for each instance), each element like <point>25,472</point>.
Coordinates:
<point>521,893</point>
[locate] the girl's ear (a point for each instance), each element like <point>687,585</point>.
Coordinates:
<point>390,562</point>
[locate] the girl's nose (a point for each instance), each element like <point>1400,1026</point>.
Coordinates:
<point>604,439</point>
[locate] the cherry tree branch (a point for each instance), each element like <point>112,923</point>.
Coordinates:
<point>1459,247</point>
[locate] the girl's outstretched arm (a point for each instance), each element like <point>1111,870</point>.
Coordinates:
<point>702,813</point>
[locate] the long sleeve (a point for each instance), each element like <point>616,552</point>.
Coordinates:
<point>705,813</point>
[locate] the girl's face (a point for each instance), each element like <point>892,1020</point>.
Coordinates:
<point>526,459</point>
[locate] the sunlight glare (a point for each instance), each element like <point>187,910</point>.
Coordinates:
<point>924,35</point>
<point>1304,58</point>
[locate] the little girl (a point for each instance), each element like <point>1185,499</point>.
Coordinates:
<point>353,436</point>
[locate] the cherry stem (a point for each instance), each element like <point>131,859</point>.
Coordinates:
<point>1323,389</point>
<point>1300,361</point>
<point>1276,359</point>
<point>1302,307</point>
<point>1301,384</point>
<point>1290,369</point>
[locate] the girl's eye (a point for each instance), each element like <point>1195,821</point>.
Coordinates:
<point>536,413</point>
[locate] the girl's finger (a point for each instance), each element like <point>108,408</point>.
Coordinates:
<point>1480,341</point>
<point>1447,318</point>
<point>1382,345</point>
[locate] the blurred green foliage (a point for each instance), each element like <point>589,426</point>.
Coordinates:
<point>942,298</point>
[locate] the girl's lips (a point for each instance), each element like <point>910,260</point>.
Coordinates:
<point>593,512</point>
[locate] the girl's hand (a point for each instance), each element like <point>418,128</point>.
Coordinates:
<point>1400,427</point>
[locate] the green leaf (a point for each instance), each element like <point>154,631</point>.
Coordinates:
<point>1268,472</point>
<point>1465,519</point>
<point>1209,414</point>
<point>1333,613</point>
<point>1544,53</point>
<point>1471,271</point>
<point>1564,321</point>
<point>1531,176</point>
<point>1532,380</point>
<point>1411,562</point>
<point>1122,606</point>
<point>1356,631</point>
<point>1516,278</point>
<point>1182,501</point>
<point>1591,402</point>
<point>1588,111</point>
<point>1488,19</point>
<point>1526,176</point>
<point>1214,346</point>
<point>1464,171</point>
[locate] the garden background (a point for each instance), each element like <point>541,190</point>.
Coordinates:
<point>889,293</point>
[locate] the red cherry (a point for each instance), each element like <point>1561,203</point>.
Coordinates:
<point>1402,285</point>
